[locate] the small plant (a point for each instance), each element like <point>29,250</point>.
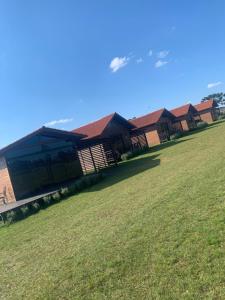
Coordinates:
<point>135,152</point>
<point>56,197</point>
<point>201,125</point>
<point>221,117</point>
<point>89,180</point>
<point>126,156</point>
<point>175,136</point>
<point>64,192</point>
<point>25,211</point>
<point>11,216</point>
<point>47,200</point>
<point>73,189</point>
<point>80,184</point>
<point>35,207</point>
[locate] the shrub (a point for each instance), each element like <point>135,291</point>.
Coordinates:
<point>73,189</point>
<point>25,211</point>
<point>175,136</point>
<point>11,216</point>
<point>135,152</point>
<point>35,207</point>
<point>201,125</point>
<point>56,197</point>
<point>64,192</point>
<point>90,180</point>
<point>221,117</point>
<point>95,178</point>
<point>87,180</point>
<point>80,184</point>
<point>126,156</point>
<point>46,201</point>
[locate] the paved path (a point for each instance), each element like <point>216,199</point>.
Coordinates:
<point>10,206</point>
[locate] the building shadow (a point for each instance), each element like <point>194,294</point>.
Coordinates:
<point>126,170</point>
<point>168,144</point>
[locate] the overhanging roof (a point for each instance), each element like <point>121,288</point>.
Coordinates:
<point>183,110</point>
<point>96,129</point>
<point>44,131</point>
<point>206,105</point>
<point>151,118</point>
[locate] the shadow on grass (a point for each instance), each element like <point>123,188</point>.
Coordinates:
<point>126,170</point>
<point>167,144</point>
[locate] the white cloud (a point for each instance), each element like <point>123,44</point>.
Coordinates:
<point>150,52</point>
<point>118,63</point>
<point>163,54</point>
<point>139,60</point>
<point>56,122</point>
<point>213,84</point>
<point>160,63</point>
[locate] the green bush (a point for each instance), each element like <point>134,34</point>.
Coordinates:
<point>80,184</point>
<point>87,181</point>
<point>135,152</point>
<point>73,189</point>
<point>126,156</point>
<point>25,211</point>
<point>56,197</point>
<point>11,216</point>
<point>35,207</point>
<point>221,117</point>
<point>201,125</point>
<point>64,192</point>
<point>46,201</point>
<point>175,136</point>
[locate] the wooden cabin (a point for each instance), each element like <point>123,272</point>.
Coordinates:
<point>38,162</point>
<point>110,135</point>
<point>157,126</point>
<point>185,117</point>
<point>207,111</point>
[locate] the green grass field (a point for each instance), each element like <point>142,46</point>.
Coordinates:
<point>153,229</point>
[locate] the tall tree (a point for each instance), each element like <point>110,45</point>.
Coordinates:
<point>218,97</point>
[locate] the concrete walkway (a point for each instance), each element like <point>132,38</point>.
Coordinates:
<point>10,206</point>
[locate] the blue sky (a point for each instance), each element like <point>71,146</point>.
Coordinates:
<point>65,63</point>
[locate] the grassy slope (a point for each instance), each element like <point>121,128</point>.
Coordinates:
<point>153,230</point>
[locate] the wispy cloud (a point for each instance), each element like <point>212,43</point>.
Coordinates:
<point>150,52</point>
<point>118,63</point>
<point>163,54</point>
<point>139,60</point>
<point>56,122</point>
<point>213,84</point>
<point>160,63</point>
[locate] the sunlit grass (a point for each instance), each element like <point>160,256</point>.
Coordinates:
<point>153,229</point>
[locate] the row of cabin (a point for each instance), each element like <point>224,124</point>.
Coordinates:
<point>48,158</point>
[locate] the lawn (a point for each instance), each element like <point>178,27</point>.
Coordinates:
<point>153,229</point>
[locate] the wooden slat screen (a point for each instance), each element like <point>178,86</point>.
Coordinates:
<point>95,157</point>
<point>138,140</point>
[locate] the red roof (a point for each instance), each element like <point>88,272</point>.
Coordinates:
<point>182,110</point>
<point>205,105</point>
<point>96,128</point>
<point>148,119</point>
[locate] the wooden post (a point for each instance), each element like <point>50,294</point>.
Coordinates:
<point>93,159</point>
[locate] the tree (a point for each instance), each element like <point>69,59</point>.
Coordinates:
<point>218,97</point>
